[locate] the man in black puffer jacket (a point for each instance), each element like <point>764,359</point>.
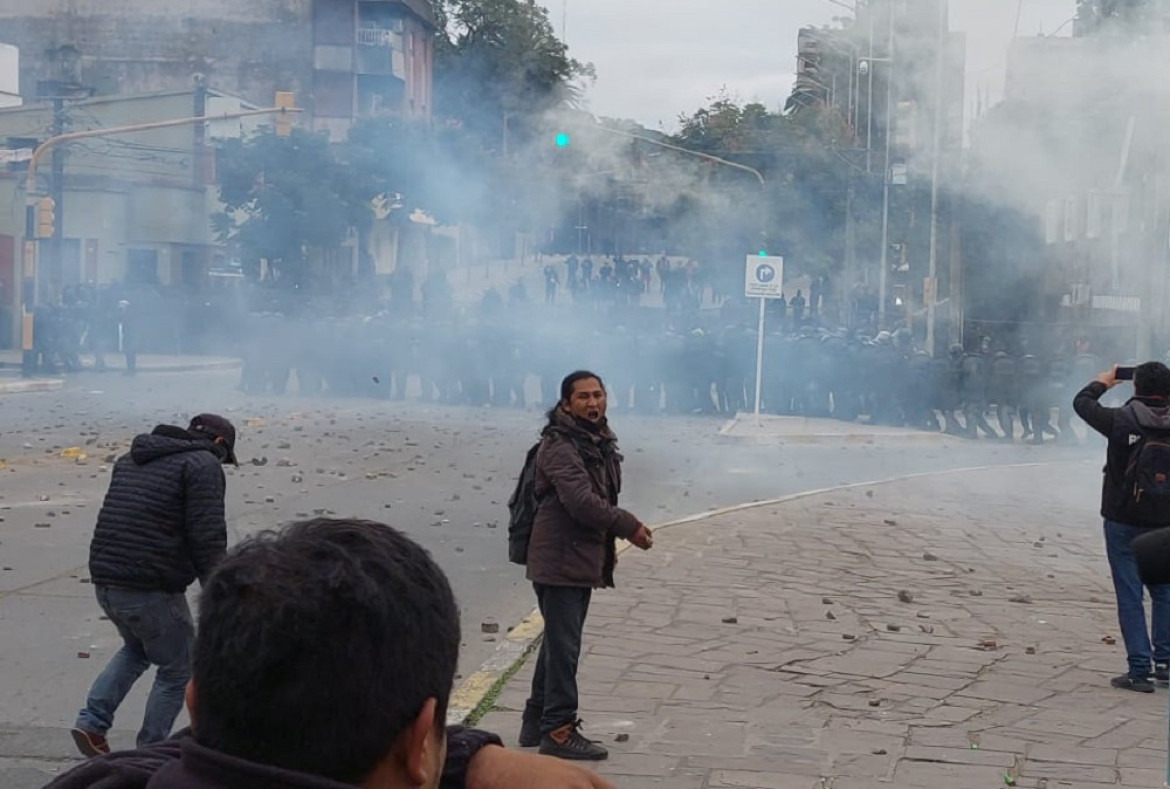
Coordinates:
<point>160,527</point>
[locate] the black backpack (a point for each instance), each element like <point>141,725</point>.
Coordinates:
<point>522,509</point>
<point>1145,485</point>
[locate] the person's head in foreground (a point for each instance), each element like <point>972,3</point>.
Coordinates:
<point>328,648</point>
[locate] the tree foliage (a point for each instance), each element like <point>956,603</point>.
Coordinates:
<point>498,64</point>
<point>1113,16</point>
<point>281,197</point>
<point>799,212</point>
<point>413,164</point>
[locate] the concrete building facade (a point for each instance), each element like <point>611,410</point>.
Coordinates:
<point>9,76</point>
<point>344,59</point>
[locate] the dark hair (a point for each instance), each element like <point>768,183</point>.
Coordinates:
<point>319,643</point>
<point>1152,379</point>
<point>567,384</point>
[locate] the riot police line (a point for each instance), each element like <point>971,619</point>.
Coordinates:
<point>671,362</point>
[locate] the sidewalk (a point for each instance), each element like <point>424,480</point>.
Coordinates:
<point>768,429</point>
<point>952,630</point>
<point>147,363</point>
<point>13,384</point>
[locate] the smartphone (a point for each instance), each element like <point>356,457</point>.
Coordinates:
<point>1125,373</point>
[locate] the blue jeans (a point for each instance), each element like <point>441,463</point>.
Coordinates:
<point>156,629</point>
<point>1131,612</point>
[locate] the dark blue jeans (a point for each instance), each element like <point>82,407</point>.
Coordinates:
<point>156,629</point>
<point>1131,612</point>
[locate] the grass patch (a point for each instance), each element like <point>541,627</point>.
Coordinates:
<point>488,702</point>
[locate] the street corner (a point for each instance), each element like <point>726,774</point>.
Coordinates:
<point>481,687</point>
<point>767,430</point>
<point>29,386</point>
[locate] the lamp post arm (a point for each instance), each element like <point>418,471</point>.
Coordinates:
<point>717,160</point>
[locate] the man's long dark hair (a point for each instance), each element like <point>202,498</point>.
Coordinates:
<point>319,644</point>
<point>567,384</point>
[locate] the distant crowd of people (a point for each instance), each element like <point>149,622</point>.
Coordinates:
<point>675,362</point>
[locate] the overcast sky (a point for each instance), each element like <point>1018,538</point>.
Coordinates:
<point>656,59</point>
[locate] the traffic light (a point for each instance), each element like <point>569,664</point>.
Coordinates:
<point>46,217</point>
<point>562,140</point>
<point>284,101</point>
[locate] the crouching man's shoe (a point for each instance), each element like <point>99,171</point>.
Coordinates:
<point>89,743</point>
<point>567,742</point>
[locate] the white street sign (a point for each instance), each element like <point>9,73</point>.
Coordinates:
<point>764,278</point>
<point>11,155</point>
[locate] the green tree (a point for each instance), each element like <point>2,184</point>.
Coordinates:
<point>1113,16</point>
<point>283,196</point>
<point>499,66</point>
<point>405,161</point>
<point>799,212</point>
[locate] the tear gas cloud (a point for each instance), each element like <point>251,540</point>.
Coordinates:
<point>450,320</point>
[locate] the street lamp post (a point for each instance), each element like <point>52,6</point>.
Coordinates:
<point>883,273</point>
<point>932,275</point>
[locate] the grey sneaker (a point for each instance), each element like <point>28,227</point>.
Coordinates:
<point>1162,673</point>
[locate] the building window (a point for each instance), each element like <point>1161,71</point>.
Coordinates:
<point>142,267</point>
<point>379,95</point>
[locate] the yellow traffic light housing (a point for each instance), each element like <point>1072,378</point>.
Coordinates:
<point>285,101</point>
<point>46,217</point>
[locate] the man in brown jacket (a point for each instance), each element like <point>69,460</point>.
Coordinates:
<point>572,551</point>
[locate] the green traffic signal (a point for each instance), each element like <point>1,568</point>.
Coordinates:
<point>763,253</point>
<point>562,140</point>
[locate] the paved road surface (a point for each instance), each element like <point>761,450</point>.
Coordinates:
<point>441,474</point>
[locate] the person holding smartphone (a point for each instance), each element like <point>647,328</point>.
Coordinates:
<point>1135,498</point>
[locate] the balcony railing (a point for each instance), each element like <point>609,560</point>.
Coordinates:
<point>378,37</point>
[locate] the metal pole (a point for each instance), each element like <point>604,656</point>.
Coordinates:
<point>846,308</point>
<point>934,167</point>
<point>883,274</point>
<point>869,101</point>
<point>57,192</point>
<point>28,289</point>
<point>760,358</point>
<point>955,294</point>
<point>199,150</point>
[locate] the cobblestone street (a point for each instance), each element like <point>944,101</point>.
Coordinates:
<point>947,630</point>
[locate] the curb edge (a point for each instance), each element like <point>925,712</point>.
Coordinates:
<point>35,385</point>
